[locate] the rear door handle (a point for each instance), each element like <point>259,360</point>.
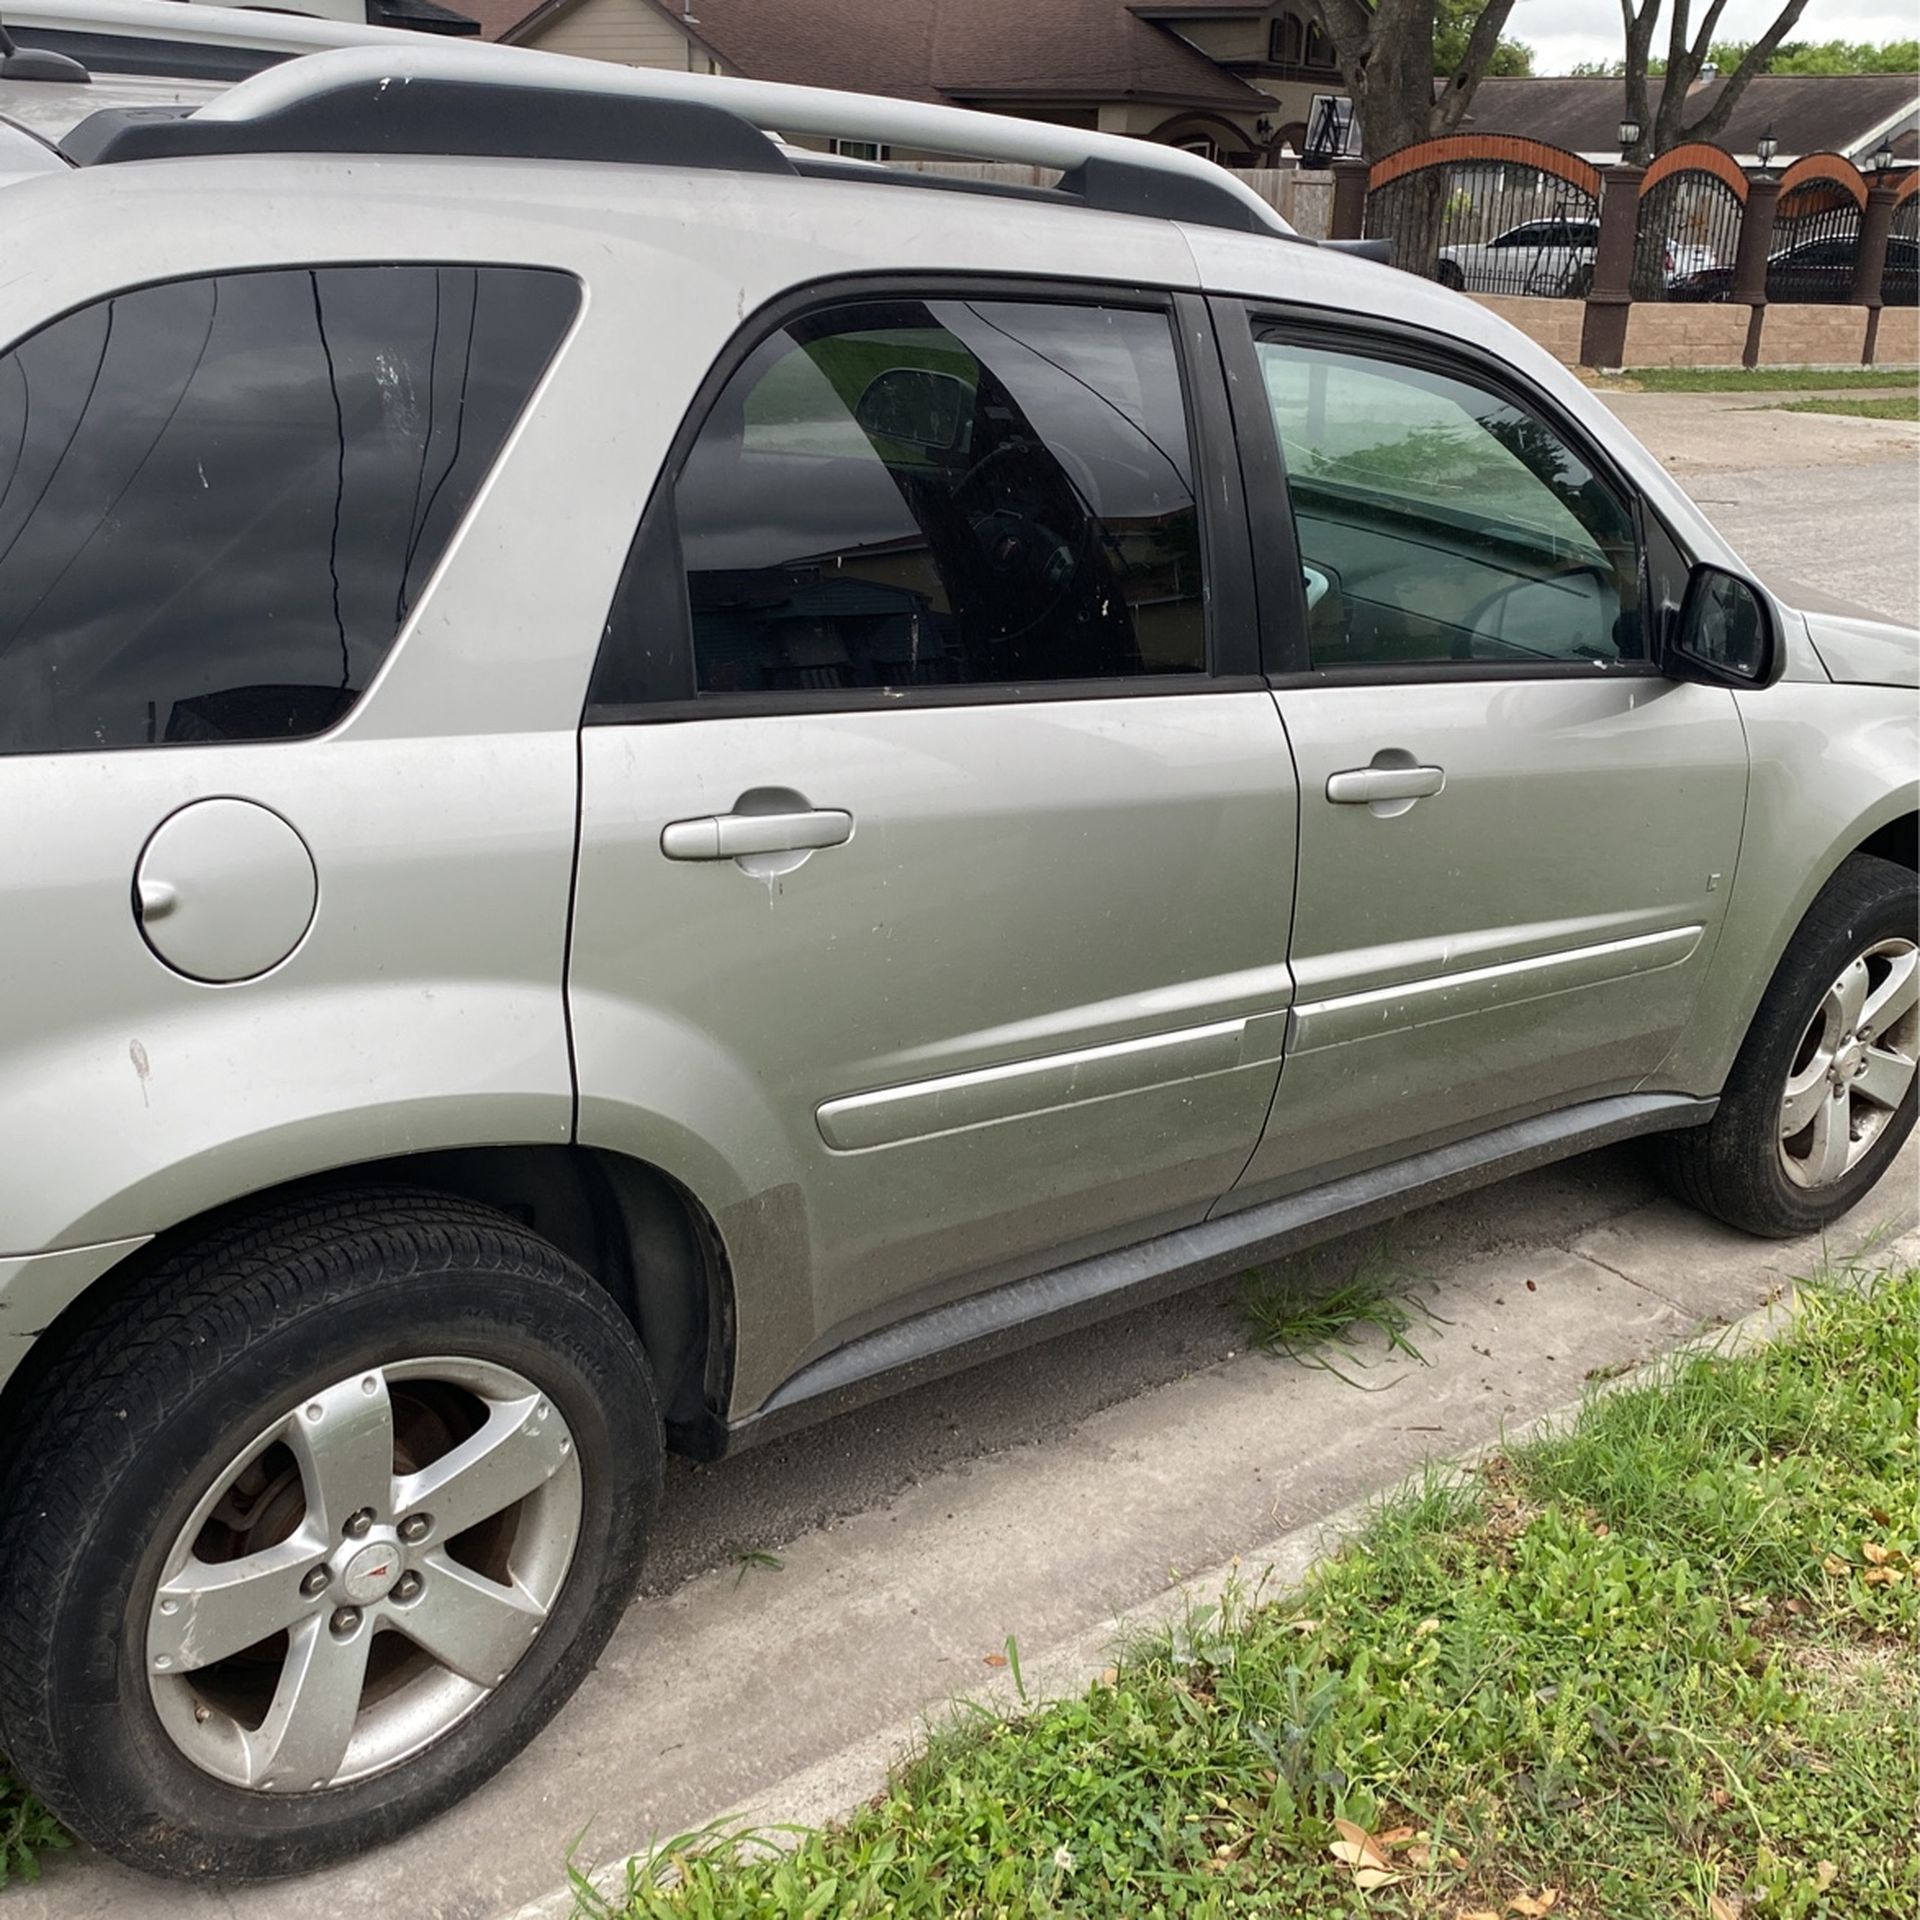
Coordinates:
<point>726,836</point>
<point>1361,786</point>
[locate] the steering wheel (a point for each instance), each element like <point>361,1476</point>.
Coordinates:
<point>1030,566</point>
<point>1467,627</point>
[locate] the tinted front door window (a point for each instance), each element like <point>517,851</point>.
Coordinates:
<point>219,497</point>
<point>1440,521</point>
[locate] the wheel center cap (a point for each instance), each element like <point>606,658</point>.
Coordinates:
<point>370,1574</point>
<point>1847,1060</point>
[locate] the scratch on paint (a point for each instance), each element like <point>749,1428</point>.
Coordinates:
<point>141,1066</point>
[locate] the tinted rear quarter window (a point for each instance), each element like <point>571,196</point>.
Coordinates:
<point>220,497</point>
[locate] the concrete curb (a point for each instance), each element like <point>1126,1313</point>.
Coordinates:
<point>832,1787</point>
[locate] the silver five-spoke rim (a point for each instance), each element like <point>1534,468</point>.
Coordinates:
<point>1853,1066</point>
<point>363,1574</point>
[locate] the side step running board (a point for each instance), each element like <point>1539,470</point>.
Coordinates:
<point>964,1332</point>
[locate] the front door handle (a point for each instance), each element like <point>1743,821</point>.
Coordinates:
<point>1362,786</point>
<point>727,836</point>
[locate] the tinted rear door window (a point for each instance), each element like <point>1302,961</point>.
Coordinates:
<point>219,497</point>
<point>905,493</point>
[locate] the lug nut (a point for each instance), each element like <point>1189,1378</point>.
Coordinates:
<point>345,1619</point>
<point>407,1587</point>
<point>359,1524</point>
<point>315,1583</point>
<point>416,1527</point>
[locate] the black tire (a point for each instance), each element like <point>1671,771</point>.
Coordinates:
<point>1731,1168</point>
<point>131,1427</point>
<point>1450,276</point>
<point>1581,285</point>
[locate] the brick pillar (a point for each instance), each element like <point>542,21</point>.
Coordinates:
<point>1603,333</point>
<point>1349,220</point>
<point>1750,259</point>
<point>1875,225</point>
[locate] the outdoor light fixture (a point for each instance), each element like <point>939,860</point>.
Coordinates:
<point>1882,161</point>
<point>1263,127</point>
<point>1767,146</point>
<point>1629,135</point>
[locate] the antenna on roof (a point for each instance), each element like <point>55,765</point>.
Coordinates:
<point>36,63</point>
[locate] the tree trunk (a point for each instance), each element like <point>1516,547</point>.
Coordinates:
<point>1385,51</point>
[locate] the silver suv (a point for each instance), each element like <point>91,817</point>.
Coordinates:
<point>654,783</point>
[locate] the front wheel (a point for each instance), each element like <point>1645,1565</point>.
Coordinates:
<point>1824,1090</point>
<point>315,1530</point>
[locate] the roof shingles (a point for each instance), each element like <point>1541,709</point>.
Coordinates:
<point>952,50</point>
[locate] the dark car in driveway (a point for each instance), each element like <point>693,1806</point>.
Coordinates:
<point>1815,271</point>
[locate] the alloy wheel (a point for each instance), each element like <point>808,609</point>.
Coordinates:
<point>362,1575</point>
<point>1853,1066</point>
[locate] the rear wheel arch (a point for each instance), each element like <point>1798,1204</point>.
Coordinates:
<point>637,1231</point>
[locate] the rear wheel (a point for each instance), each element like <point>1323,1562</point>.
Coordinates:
<point>316,1531</point>
<point>1824,1090</point>
<point>1449,275</point>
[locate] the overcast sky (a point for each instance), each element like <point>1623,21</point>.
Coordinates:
<point>1561,32</point>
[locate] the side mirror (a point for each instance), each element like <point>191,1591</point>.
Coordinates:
<point>1726,633</point>
<point>929,410</point>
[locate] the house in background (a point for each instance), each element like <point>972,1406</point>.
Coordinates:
<point>1237,83</point>
<point>1242,84</point>
<point>1851,114</point>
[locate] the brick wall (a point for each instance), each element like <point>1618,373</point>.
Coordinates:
<point>1813,336</point>
<point>1899,341</point>
<point>1553,324</point>
<point>1682,335</point>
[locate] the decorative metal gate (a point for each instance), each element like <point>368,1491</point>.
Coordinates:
<point>1489,213</point>
<point>1692,201</point>
<point>1816,232</point>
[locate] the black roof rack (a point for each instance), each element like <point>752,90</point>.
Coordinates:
<point>435,116</point>
<point>504,104</point>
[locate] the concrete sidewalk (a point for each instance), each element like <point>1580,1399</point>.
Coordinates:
<point>752,1688</point>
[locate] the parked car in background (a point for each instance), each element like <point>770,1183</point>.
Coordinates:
<point>1816,271</point>
<point>1550,259</point>
<point>656,784</point>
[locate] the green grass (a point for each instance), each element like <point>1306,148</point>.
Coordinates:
<point>1892,406</point>
<point>1761,379</point>
<point>27,1830</point>
<point>1663,1661</point>
<point>1319,1326</point>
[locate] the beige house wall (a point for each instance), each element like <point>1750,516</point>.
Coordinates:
<point>1224,39</point>
<point>627,31</point>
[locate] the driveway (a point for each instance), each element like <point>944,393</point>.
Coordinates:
<point>1820,498</point>
<point>1041,1497</point>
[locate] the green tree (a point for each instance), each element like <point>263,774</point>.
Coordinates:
<point>1825,56</point>
<point>1389,52</point>
<point>1792,56</point>
<point>1453,27</point>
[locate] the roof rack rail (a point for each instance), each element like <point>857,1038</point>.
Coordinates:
<point>517,103</point>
